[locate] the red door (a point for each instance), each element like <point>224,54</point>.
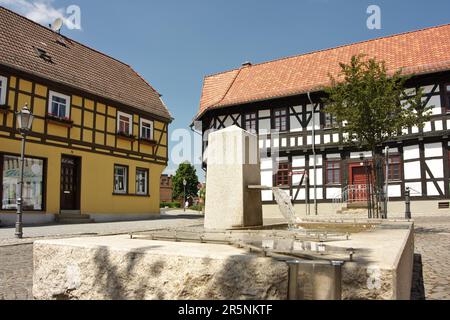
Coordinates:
<point>358,183</point>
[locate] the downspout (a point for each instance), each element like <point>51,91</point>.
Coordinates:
<point>316,212</point>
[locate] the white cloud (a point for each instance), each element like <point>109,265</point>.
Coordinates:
<point>40,11</point>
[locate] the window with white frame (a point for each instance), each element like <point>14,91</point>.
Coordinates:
<point>142,181</point>
<point>146,129</point>
<point>3,89</point>
<point>124,123</point>
<point>120,179</point>
<point>59,105</point>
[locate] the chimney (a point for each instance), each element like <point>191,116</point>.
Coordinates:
<point>246,64</point>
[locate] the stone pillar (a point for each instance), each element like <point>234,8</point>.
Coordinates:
<point>233,164</point>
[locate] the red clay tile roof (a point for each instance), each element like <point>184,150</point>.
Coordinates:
<point>74,65</point>
<point>418,52</point>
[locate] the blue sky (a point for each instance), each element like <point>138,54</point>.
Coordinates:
<point>174,44</point>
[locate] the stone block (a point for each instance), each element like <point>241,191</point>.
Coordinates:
<point>233,165</point>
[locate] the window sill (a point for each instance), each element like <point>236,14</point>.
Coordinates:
<point>131,195</point>
<point>60,122</point>
<point>124,136</point>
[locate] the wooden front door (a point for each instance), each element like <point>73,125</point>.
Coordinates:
<point>70,186</point>
<point>358,183</point>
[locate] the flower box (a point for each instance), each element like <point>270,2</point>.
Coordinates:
<point>59,121</point>
<point>126,136</point>
<point>150,142</point>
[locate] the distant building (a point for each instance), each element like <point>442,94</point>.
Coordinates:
<point>166,188</point>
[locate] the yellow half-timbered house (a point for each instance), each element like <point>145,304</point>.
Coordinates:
<point>99,140</point>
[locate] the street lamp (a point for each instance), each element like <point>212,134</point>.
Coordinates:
<point>184,193</point>
<point>24,123</point>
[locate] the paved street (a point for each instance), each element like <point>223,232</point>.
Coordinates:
<point>432,243</point>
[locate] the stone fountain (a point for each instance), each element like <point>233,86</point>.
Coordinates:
<point>234,255</point>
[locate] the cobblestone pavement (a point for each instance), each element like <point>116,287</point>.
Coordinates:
<point>16,260</point>
<point>433,244</point>
<point>16,272</point>
<point>170,219</point>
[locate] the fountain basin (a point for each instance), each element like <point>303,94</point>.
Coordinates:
<point>119,267</point>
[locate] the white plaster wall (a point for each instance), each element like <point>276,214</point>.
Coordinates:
<point>431,188</point>
<point>356,155</point>
<point>334,193</point>
<point>416,188</point>
<point>298,161</point>
<point>319,176</point>
<point>335,137</point>
<point>267,195</point>
<point>435,101</point>
<point>433,150</point>
<point>436,168</point>
<point>319,194</point>
<point>319,160</point>
<point>333,156</point>
<point>264,126</point>
<point>394,191</point>
<point>411,152</point>
<point>295,125</point>
<point>264,113</point>
<point>412,170</point>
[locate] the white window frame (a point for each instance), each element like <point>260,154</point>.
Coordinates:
<point>151,130</point>
<point>125,186</point>
<point>145,192</point>
<point>4,89</point>
<point>130,118</point>
<point>61,96</point>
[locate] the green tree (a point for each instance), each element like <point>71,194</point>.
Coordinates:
<point>373,107</point>
<point>188,172</point>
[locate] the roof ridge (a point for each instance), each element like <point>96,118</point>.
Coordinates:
<point>333,48</point>
<point>66,37</point>
<point>229,88</point>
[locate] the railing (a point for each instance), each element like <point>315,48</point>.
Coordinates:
<point>350,194</point>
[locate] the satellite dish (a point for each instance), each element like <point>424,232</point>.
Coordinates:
<point>57,25</point>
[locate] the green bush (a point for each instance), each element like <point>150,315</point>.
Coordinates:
<point>197,208</point>
<point>171,205</point>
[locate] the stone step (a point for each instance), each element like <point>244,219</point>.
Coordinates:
<point>70,212</point>
<point>73,217</point>
<point>75,221</point>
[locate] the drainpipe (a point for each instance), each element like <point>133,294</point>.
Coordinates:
<point>314,153</point>
<point>386,188</point>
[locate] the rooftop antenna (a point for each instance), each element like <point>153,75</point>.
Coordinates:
<point>57,25</point>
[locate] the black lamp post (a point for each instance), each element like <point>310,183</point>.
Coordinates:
<point>184,194</point>
<point>24,123</point>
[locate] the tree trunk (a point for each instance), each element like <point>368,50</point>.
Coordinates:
<point>378,184</point>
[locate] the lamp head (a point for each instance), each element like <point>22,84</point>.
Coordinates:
<point>25,119</point>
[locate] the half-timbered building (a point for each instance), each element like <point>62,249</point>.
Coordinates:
<point>98,144</point>
<point>281,101</point>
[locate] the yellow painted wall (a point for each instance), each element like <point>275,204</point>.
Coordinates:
<point>97,173</point>
<point>97,162</point>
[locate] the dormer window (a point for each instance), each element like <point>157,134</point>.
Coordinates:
<point>146,129</point>
<point>41,53</point>
<point>124,123</point>
<point>3,88</point>
<point>59,105</point>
